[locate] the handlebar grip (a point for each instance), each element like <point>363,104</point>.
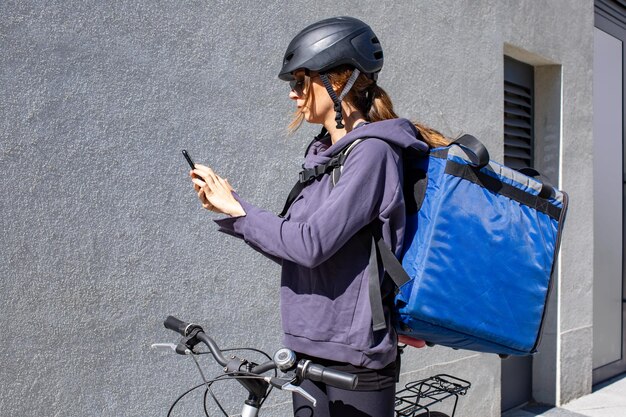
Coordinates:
<point>332,377</point>
<point>175,324</point>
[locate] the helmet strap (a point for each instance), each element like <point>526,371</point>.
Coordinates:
<point>344,92</point>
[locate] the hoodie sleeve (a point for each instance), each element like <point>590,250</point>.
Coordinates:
<point>227,226</point>
<point>369,183</point>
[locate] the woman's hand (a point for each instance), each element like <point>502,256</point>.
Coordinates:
<point>411,342</point>
<point>214,192</point>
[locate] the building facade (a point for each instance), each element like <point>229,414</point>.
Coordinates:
<point>103,236</point>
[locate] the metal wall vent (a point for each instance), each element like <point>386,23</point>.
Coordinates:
<point>518,114</point>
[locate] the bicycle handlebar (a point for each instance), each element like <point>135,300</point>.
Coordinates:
<point>319,373</point>
<point>187,330</point>
<point>305,368</point>
<point>179,326</point>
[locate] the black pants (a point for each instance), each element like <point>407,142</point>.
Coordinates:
<point>335,402</point>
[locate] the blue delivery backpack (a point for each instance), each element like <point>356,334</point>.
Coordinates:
<point>480,247</point>
<point>479,252</point>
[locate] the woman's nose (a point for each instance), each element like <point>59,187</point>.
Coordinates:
<point>293,95</point>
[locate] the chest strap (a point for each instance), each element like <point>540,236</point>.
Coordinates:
<point>334,166</point>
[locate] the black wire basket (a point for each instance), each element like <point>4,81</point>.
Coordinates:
<point>418,397</point>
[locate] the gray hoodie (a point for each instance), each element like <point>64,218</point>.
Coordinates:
<point>323,244</point>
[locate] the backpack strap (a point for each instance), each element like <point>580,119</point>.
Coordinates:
<point>392,267</point>
<point>334,166</point>
<point>336,172</point>
<point>391,264</point>
<point>547,189</point>
<point>376,298</point>
<point>478,153</point>
<point>293,194</point>
<point>297,189</point>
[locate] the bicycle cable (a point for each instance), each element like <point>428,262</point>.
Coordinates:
<point>229,376</point>
<point>210,391</point>
<point>250,349</point>
<point>206,412</point>
<point>180,397</point>
<point>233,375</point>
<point>224,377</point>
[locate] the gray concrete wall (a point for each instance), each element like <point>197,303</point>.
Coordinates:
<point>102,233</point>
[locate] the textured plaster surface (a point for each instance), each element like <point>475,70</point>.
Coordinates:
<point>576,359</point>
<point>102,233</point>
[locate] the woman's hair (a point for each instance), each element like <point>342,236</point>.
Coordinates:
<point>381,108</point>
<point>307,92</point>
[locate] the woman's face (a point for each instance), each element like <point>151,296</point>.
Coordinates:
<point>314,102</point>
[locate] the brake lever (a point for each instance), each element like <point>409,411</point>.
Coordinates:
<point>299,390</point>
<point>286,385</point>
<point>169,346</point>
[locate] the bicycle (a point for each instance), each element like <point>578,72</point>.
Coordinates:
<point>251,376</point>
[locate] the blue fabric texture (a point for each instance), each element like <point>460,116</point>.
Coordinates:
<point>481,263</point>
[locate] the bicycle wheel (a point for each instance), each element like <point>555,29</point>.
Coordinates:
<point>432,414</point>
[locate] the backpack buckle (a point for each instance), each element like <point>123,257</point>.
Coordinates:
<point>303,177</point>
<point>308,174</point>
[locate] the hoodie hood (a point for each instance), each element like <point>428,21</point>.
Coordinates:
<point>398,132</point>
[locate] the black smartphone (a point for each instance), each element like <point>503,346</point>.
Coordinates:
<point>189,160</point>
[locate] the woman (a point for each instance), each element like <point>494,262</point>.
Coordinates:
<point>323,241</point>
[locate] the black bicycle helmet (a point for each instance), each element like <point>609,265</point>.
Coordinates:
<point>333,42</point>
<point>330,43</point>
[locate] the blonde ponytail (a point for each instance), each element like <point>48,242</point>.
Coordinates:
<point>382,109</point>
<point>432,137</point>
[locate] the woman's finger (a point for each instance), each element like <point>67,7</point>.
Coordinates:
<point>202,196</point>
<point>198,183</point>
<point>205,202</point>
<point>212,179</point>
<point>202,190</point>
<point>202,167</point>
<point>226,184</point>
<point>418,343</point>
<point>202,171</point>
<point>198,174</point>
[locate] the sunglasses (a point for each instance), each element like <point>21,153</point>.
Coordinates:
<point>297,86</point>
